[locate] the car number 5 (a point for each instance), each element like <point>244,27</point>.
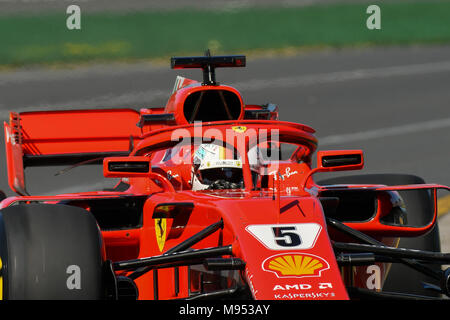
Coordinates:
<point>287,236</point>
<point>298,236</point>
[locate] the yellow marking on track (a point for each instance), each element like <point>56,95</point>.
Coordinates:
<point>443,205</point>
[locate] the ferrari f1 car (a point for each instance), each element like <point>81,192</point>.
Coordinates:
<point>214,199</point>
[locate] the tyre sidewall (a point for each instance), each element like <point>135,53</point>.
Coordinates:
<point>50,252</point>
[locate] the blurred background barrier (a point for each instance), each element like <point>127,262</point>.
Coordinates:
<point>35,32</point>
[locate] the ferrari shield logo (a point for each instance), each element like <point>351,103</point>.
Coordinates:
<point>239,129</point>
<point>160,231</point>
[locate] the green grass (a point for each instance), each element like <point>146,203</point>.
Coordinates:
<point>148,35</point>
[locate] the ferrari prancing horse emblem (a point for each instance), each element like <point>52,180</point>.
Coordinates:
<point>239,129</point>
<point>160,231</point>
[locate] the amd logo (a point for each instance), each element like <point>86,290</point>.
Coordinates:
<point>302,286</point>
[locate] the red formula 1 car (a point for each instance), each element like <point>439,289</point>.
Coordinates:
<point>215,199</point>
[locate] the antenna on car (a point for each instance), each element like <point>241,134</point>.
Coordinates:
<point>208,64</point>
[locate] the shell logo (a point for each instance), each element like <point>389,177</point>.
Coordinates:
<point>295,265</point>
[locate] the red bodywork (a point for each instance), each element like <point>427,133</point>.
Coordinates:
<point>278,228</point>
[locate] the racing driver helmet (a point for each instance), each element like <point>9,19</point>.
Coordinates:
<point>212,170</point>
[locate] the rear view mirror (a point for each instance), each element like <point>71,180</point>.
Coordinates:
<point>123,167</point>
<point>340,160</point>
<point>336,160</point>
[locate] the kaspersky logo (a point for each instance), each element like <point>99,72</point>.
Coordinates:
<point>288,265</point>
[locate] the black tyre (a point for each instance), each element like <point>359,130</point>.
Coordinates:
<point>50,252</point>
<point>402,278</point>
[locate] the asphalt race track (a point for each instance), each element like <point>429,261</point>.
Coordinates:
<point>391,102</point>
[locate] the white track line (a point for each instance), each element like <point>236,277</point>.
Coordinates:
<point>385,132</point>
<point>340,76</point>
<point>127,99</point>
